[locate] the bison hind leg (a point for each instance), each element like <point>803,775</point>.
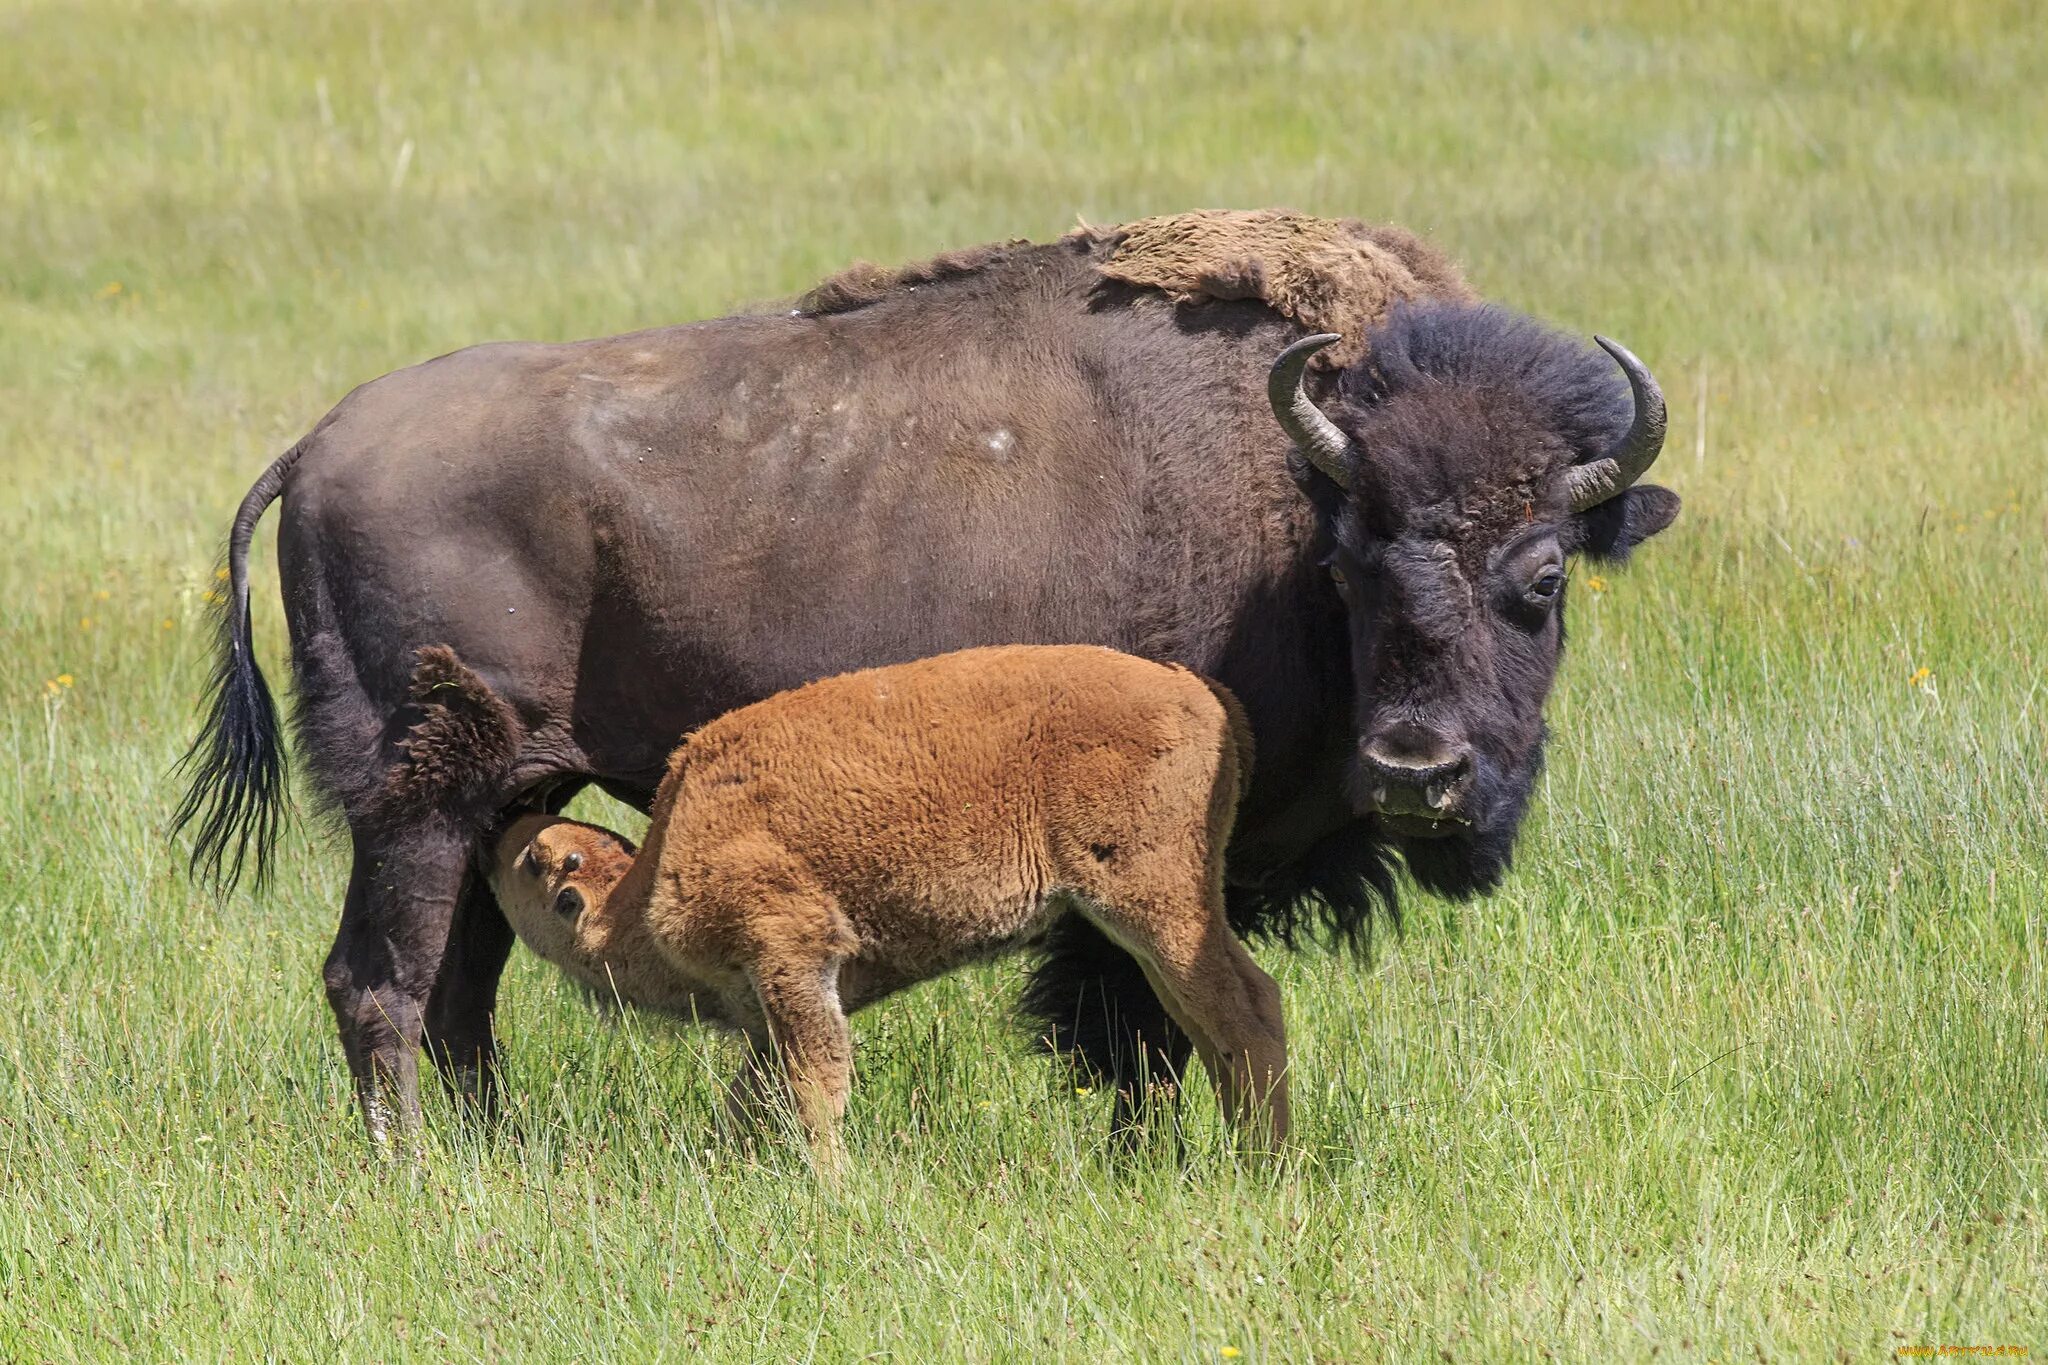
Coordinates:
<point>421,944</point>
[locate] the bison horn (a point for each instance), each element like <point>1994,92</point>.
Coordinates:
<point>1596,481</point>
<point>1318,438</point>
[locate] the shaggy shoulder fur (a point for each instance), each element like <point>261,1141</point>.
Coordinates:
<point>1328,274</point>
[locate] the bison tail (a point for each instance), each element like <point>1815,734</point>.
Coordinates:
<point>237,799</point>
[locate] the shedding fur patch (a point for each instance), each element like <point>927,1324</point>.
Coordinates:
<point>864,282</point>
<point>464,743</point>
<point>1328,274</point>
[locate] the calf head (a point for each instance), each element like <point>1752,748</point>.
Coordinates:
<point>1454,472</point>
<point>553,877</point>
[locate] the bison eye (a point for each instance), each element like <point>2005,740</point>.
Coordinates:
<point>1337,576</point>
<point>1547,585</point>
<point>572,862</point>
<point>570,903</point>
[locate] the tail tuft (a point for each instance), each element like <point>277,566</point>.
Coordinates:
<point>237,798</point>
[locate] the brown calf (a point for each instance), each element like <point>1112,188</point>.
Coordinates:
<point>816,851</point>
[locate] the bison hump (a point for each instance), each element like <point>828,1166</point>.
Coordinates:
<point>1328,274</point>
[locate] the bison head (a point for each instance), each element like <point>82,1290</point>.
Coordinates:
<point>1455,471</point>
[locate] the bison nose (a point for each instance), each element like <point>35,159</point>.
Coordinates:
<point>1417,773</point>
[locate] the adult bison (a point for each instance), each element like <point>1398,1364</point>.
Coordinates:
<point>1061,443</point>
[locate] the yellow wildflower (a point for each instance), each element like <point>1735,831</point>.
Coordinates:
<point>1920,675</point>
<point>65,680</point>
<point>108,290</point>
<point>1084,1090</point>
<point>85,623</point>
<point>169,623</point>
<point>221,574</point>
<point>102,595</point>
<point>1230,1353</point>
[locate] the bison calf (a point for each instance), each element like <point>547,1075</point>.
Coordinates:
<point>816,851</point>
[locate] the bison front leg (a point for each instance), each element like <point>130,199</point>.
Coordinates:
<point>403,890</point>
<point>1093,1005</point>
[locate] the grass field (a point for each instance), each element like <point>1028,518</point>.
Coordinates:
<point>1748,1060</point>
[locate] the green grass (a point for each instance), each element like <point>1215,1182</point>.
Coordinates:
<point>1749,1059</point>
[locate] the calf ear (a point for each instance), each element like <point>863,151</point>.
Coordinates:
<point>1618,525</point>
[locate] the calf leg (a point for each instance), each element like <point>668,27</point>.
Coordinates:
<point>402,893</point>
<point>800,1003</point>
<point>1222,998</point>
<point>1092,1002</point>
<point>1232,1008</point>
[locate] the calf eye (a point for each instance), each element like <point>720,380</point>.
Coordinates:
<point>570,903</point>
<point>572,862</point>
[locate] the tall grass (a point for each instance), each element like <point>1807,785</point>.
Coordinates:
<point>1748,1057</point>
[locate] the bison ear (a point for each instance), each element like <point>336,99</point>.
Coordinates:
<point>1615,527</point>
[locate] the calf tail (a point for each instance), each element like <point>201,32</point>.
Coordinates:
<point>237,798</point>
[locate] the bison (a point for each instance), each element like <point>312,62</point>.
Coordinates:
<point>1049,443</point>
<point>820,850</point>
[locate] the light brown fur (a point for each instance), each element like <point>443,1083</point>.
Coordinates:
<point>813,852</point>
<point>1328,274</point>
